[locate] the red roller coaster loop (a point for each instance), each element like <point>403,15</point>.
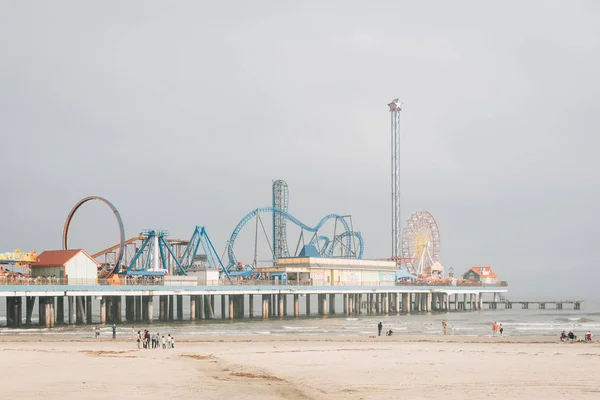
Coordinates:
<point>103,273</point>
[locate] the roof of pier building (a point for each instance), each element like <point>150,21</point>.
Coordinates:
<point>336,263</point>
<point>58,258</point>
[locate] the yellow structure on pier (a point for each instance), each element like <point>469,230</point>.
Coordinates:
<point>17,257</point>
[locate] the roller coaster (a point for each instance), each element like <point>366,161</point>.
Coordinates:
<point>349,243</point>
<point>153,253</point>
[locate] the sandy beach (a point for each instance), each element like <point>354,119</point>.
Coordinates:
<point>452,367</point>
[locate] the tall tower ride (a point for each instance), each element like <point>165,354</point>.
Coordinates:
<point>395,108</point>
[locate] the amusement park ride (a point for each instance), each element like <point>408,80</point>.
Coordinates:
<point>152,253</point>
<point>21,260</point>
<point>347,244</point>
<point>416,248</point>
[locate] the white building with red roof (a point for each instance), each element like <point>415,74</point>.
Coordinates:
<point>76,266</point>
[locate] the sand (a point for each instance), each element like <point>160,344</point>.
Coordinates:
<point>399,367</point>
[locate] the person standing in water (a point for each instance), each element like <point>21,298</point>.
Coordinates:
<point>114,329</point>
<point>379,328</point>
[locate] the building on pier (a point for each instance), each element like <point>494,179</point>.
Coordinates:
<point>75,266</point>
<point>483,275</point>
<point>334,271</point>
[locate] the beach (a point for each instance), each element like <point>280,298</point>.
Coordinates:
<point>258,367</point>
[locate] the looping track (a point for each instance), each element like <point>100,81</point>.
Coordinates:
<point>346,236</point>
<point>119,258</point>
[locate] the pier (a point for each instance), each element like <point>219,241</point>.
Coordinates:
<point>541,305</point>
<point>74,304</point>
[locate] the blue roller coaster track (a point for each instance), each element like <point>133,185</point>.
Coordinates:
<point>326,251</point>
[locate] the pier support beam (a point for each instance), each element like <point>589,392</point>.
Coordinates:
<point>60,310</point>
<point>307,305</point>
<point>230,299</point>
<point>161,308</point>
<point>345,303</point>
<point>103,310</point>
<point>203,304</point>
<point>251,306</point>
<point>80,310</point>
<point>296,306</point>
<point>145,308</point>
<point>332,304</point>
<point>406,300</point>
<point>149,309</point>
<point>14,316</point>
<point>192,308</point>
<point>138,309</point>
<point>49,313</point>
<point>41,311</point>
<point>223,307</point>
<point>30,304</point>
<point>265,306</point>
<point>349,304</point>
<point>71,310</point>
<point>88,310</point>
<point>428,305</point>
<point>281,308</point>
<point>130,309</point>
<point>360,303</point>
<point>171,307</point>
<point>179,307</point>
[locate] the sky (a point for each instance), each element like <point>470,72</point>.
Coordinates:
<point>183,113</point>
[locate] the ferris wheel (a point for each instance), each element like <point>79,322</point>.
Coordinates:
<point>421,243</point>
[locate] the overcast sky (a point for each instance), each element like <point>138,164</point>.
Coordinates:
<point>182,114</point>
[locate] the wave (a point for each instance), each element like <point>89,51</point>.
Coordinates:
<point>574,319</point>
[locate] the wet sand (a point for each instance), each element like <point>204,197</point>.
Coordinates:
<point>291,367</point>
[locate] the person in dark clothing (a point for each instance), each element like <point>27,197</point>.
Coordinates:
<point>114,328</point>
<point>379,328</point>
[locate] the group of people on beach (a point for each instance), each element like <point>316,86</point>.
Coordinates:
<point>565,337</point>
<point>497,328</point>
<point>97,331</point>
<point>380,328</point>
<point>147,341</point>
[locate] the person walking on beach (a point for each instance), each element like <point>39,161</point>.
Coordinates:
<point>379,328</point>
<point>164,342</point>
<point>444,325</point>
<point>494,329</point>
<point>501,329</point>
<point>114,328</point>
<point>139,339</point>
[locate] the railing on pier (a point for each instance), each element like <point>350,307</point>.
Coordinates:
<point>159,281</point>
